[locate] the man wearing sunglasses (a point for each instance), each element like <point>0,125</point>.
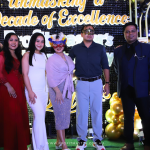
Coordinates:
<point>91,62</point>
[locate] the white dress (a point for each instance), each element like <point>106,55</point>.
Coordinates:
<point>38,83</point>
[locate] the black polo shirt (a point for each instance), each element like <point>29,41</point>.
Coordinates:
<point>89,62</point>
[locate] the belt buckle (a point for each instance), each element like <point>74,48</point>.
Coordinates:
<point>91,79</point>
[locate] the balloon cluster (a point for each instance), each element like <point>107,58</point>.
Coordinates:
<point>115,117</point>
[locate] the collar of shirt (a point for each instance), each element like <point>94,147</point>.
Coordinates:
<point>133,44</point>
<point>92,45</point>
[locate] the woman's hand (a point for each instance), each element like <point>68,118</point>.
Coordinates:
<point>59,98</point>
<point>32,97</point>
<point>11,91</point>
<point>1,45</point>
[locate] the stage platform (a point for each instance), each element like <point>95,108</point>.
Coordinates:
<point>109,144</point>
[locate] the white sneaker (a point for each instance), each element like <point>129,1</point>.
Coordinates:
<point>98,145</point>
<point>81,145</point>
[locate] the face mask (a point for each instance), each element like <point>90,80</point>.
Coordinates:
<point>88,32</point>
<point>58,45</point>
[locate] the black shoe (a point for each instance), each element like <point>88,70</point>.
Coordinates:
<point>98,145</point>
<point>81,145</point>
<point>81,142</point>
<point>98,142</point>
<point>128,146</point>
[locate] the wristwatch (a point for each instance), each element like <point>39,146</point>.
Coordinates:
<point>107,82</point>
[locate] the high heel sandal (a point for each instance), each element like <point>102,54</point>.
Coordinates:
<point>58,146</point>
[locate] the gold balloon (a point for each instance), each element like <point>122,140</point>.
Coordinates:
<point>121,118</point>
<point>111,100</point>
<point>110,127</point>
<point>109,115</point>
<point>114,98</point>
<point>135,134</point>
<point>116,108</point>
<point>115,119</point>
<point>117,100</point>
<point>120,127</point>
<point>112,132</point>
<point>114,94</point>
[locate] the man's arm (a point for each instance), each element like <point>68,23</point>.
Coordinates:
<point>105,67</point>
<point>106,86</point>
<point>71,54</point>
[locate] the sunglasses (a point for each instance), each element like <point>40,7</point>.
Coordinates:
<point>88,32</point>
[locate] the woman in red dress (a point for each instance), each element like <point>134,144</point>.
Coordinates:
<point>14,124</point>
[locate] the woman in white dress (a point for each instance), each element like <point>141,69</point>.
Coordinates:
<point>33,69</point>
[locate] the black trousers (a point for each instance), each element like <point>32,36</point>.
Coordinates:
<point>129,101</point>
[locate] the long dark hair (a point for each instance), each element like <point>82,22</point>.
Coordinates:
<point>7,54</point>
<point>32,48</point>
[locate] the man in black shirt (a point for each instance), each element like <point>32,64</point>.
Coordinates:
<point>132,64</point>
<point>91,62</point>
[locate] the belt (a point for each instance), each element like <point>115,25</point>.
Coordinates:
<point>89,79</point>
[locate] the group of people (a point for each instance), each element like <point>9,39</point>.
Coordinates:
<point>40,76</point>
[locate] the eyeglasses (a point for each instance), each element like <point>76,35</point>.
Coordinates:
<point>88,32</point>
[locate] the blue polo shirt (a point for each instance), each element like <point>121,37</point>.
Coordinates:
<point>89,62</point>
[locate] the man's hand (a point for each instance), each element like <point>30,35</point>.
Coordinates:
<point>106,89</point>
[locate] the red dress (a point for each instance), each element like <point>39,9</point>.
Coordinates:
<point>14,123</point>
